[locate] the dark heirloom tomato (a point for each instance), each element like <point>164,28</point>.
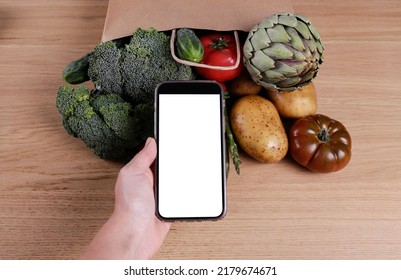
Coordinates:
<point>320,143</point>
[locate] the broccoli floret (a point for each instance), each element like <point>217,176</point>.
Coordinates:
<point>68,98</point>
<point>107,124</point>
<point>90,127</point>
<point>104,68</point>
<point>66,102</point>
<point>146,62</point>
<point>119,116</point>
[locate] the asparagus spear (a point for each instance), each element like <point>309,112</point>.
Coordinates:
<point>232,146</point>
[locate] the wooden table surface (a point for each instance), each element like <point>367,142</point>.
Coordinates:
<point>55,194</point>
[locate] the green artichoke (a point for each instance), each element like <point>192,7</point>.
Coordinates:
<point>283,52</point>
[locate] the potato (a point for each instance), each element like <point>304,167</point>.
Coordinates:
<point>243,85</point>
<point>258,129</point>
<point>295,104</point>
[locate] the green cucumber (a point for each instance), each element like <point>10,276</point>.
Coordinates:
<point>77,71</point>
<point>189,47</point>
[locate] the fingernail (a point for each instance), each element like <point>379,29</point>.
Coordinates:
<point>148,141</point>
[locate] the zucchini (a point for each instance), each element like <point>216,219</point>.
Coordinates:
<point>77,71</point>
<point>189,47</point>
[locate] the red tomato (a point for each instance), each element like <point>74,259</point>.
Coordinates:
<point>320,143</point>
<point>219,50</point>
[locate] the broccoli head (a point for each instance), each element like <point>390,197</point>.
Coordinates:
<point>111,127</point>
<point>135,69</point>
<point>147,61</point>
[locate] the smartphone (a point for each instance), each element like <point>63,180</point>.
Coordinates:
<point>190,173</point>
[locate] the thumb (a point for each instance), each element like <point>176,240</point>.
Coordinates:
<point>144,158</point>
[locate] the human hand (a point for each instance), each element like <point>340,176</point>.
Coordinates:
<point>133,231</point>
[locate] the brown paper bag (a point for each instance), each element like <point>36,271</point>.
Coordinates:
<point>124,16</point>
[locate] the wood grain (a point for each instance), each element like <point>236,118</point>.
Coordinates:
<point>55,194</point>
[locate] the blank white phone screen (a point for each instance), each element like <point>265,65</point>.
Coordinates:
<point>190,157</point>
